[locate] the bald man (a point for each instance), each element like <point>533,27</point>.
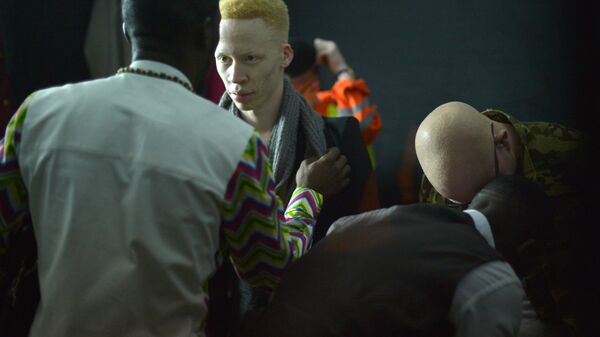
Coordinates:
<point>460,150</point>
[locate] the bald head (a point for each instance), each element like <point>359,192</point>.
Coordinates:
<point>455,149</point>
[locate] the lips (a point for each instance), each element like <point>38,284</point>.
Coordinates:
<point>241,96</point>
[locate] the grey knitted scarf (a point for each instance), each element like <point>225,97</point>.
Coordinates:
<point>295,115</point>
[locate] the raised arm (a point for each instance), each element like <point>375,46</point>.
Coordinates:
<point>264,238</point>
<point>350,94</point>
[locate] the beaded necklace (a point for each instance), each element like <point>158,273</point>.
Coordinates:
<point>157,75</point>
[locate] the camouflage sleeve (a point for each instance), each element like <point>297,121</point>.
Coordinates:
<point>556,152</point>
<point>556,285</point>
<point>428,194</point>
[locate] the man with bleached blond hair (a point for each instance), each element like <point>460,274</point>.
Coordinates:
<point>251,56</point>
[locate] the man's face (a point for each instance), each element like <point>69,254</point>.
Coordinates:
<point>250,59</point>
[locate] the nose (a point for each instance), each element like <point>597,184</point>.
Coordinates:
<point>236,74</point>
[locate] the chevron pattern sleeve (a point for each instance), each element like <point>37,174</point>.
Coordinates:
<point>17,245</point>
<point>262,238</point>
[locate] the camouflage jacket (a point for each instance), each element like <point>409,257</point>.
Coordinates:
<point>552,155</point>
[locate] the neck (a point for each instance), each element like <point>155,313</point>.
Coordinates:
<point>184,61</point>
<point>264,118</point>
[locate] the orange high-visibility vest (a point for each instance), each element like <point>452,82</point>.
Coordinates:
<point>351,98</point>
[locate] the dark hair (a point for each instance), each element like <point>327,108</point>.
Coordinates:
<point>167,21</point>
<point>519,213</point>
<point>305,57</point>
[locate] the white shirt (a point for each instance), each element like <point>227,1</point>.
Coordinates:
<point>114,139</point>
<point>488,301</point>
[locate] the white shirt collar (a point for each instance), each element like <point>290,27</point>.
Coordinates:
<point>482,225</point>
<point>160,68</point>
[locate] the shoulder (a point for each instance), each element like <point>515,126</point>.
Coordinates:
<point>65,92</point>
<point>553,143</point>
<point>400,214</point>
<point>342,130</point>
<point>552,134</point>
<point>47,102</point>
<point>540,134</point>
<point>344,133</point>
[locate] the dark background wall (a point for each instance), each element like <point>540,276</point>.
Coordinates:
<point>43,43</point>
<point>535,59</point>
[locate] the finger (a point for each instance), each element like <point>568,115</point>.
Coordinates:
<point>339,186</point>
<point>345,171</point>
<point>343,185</point>
<point>346,182</point>
<point>310,160</point>
<point>341,162</point>
<point>332,154</point>
<point>318,44</point>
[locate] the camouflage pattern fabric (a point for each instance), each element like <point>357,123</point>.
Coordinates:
<point>552,156</point>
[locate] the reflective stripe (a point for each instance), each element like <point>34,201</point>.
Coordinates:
<point>367,120</point>
<point>355,109</point>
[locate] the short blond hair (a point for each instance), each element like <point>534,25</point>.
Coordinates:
<point>273,12</point>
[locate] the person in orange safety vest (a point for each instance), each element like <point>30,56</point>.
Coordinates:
<point>348,96</point>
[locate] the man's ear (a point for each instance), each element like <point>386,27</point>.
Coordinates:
<point>502,138</point>
<point>126,33</point>
<point>288,55</point>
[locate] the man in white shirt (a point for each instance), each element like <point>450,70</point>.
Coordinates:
<point>135,190</point>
